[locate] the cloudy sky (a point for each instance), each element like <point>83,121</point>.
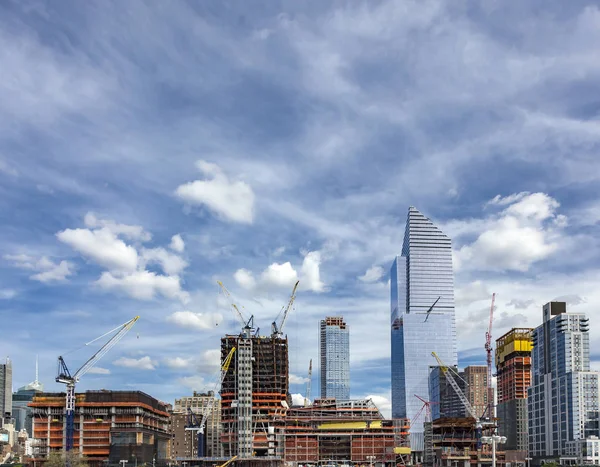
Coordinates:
<point>149,149</point>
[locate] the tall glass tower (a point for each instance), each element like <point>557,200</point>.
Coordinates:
<point>422,316</point>
<point>334,357</point>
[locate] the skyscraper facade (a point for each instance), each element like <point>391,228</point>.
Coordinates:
<point>5,390</point>
<point>334,358</point>
<point>444,401</point>
<point>562,401</point>
<point>422,315</point>
<point>513,367</point>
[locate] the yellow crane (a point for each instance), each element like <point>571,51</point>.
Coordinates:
<point>247,324</point>
<point>228,462</point>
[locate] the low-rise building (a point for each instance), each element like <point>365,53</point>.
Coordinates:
<point>110,426</point>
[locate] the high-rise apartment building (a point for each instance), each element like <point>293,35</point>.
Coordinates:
<point>334,357</point>
<point>513,367</point>
<point>184,443</point>
<point>422,315</point>
<point>5,391</point>
<point>562,401</point>
<point>476,379</point>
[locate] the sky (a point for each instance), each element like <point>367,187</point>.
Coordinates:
<point>149,149</point>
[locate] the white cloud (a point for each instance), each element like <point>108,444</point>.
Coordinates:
<point>279,251</point>
<point>298,399</point>
<point>46,269</point>
<point>295,379</point>
<point>522,234</point>
<point>143,285</point>
<point>97,370</point>
<point>244,278</point>
<point>373,274</point>
<point>143,363</point>
<point>57,272</point>
<point>170,263</point>
<point>102,246</point>
<point>472,292</point>
<point>201,321</point>
<point>7,294</point>
<point>177,244</point>
<point>383,403</point>
<point>232,200</point>
<point>178,362</point>
<point>209,362</point>
<point>279,275</point>
<point>310,278</point>
<point>195,382</point>
<point>132,232</point>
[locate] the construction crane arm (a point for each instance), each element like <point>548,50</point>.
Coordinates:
<point>105,348</point>
<point>211,403</point>
<point>238,313</point>
<point>228,462</point>
<point>456,387</point>
<point>278,328</point>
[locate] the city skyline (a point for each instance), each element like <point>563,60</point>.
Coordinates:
<point>140,162</point>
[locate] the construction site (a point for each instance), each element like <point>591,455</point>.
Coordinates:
<point>109,426</point>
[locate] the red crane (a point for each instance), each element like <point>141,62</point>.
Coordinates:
<point>488,349</point>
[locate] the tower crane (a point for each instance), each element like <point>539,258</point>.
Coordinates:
<point>462,397</point>
<point>193,424</point>
<point>65,377</point>
<point>277,329</point>
<point>488,349</point>
<point>247,325</point>
<point>308,385</point>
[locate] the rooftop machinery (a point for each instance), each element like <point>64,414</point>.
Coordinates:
<point>65,377</point>
<point>193,424</point>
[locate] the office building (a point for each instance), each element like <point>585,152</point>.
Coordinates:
<point>562,402</point>
<point>334,358</point>
<point>5,392</point>
<point>422,315</point>
<point>110,426</point>
<point>475,377</point>
<point>184,443</point>
<point>445,403</point>
<point>513,369</point>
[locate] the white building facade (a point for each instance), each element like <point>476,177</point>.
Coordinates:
<point>563,406</point>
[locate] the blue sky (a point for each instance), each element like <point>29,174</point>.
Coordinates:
<point>149,149</point>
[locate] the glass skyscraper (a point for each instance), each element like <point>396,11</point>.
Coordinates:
<point>334,358</point>
<point>422,316</point>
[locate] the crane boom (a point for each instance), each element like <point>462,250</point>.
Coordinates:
<point>488,349</point>
<point>277,329</point>
<point>64,376</point>
<point>456,387</point>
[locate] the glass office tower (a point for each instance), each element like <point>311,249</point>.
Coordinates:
<point>334,357</point>
<point>422,316</point>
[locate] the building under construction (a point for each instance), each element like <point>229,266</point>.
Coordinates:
<point>110,426</point>
<point>349,432</point>
<point>454,444</point>
<point>254,396</point>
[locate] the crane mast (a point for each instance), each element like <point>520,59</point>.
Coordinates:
<point>308,385</point>
<point>488,349</point>
<point>277,329</point>
<point>64,376</point>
